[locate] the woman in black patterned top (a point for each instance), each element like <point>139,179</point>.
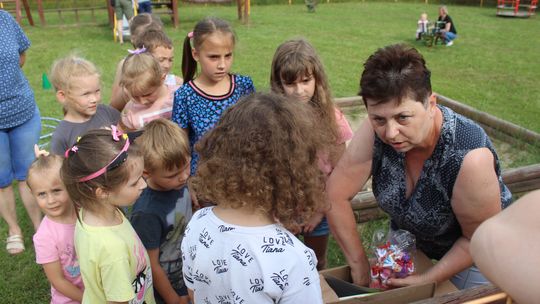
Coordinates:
<point>434,171</point>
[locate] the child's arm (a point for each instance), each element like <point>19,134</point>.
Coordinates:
<point>161,281</point>
<point>55,275</point>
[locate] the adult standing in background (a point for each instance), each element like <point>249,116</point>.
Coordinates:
<point>20,127</point>
<point>434,171</point>
<point>448,28</point>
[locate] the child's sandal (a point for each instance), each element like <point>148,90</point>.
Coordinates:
<point>15,244</point>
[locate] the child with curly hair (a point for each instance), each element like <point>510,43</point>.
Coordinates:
<point>260,166</point>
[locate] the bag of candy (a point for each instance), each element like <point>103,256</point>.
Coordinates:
<point>391,257</point>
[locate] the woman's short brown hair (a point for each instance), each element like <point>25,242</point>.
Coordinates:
<point>393,73</point>
<point>263,156</point>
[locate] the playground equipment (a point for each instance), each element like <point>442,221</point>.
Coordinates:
<point>17,9</point>
<point>516,8</point>
<point>125,24</point>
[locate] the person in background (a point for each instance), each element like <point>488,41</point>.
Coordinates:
<point>20,127</point>
<point>506,249</point>
<point>422,26</point>
<point>435,172</point>
<point>447,26</point>
<point>121,8</point>
<point>144,6</point>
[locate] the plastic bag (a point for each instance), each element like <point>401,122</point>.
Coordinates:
<point>391,257</point>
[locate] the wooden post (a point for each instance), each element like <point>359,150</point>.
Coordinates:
<point>175,13</point>
<point>110,11</point>
<point>40,12</point>
<point>28,13</point>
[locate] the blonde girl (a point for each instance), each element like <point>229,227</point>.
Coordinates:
<point>53,241</point>
<point>199,103</point>
<point>144,83</point>
<point>78,89</point>
<point>103,173</point>
<point>259,165</point>
<point>298,73</point>
<point>138,25</point>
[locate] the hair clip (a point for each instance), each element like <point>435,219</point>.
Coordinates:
<point>137,51</point>
<point>71,151</point>
<point>115,133</point>
<point>190,35</point>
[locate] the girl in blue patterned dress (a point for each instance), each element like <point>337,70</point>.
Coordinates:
<point>199,103</point>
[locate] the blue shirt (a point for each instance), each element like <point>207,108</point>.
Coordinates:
<point>17,103</point>
<point>199,112</point>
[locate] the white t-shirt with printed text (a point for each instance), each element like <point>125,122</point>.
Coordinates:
<point>225,263</point>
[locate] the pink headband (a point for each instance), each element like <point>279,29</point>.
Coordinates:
<point>116,134</point>
<point>190,35</point>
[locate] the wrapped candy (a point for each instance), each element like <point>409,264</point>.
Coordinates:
<point>392,257</point>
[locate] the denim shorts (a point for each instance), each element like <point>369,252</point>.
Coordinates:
<point>468,278</point>
<point>321,229</point>
<point>17,149</point>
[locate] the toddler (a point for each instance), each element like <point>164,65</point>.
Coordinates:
<point>78,88</point>
<point>199,103</point>
<point>103,173</point>
<point>144,83</point>
<point>259,165</point>
<point>422,26</point>
<point>298,73</point>
<point>161,213</point>
<point>53,241</point>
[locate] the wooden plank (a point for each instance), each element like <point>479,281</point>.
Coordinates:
<point>490,120</point>
<point>520,174</point>
<point>463,295</point>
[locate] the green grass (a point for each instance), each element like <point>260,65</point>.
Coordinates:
<point>493,66</point>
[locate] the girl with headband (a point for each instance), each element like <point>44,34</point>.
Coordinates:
<point>103,173</point>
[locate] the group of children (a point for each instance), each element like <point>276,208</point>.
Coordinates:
<point>114,190</point>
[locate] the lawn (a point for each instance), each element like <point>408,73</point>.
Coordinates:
<point>493,66</point>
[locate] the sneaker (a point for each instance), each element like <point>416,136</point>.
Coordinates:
<point>449,43</point>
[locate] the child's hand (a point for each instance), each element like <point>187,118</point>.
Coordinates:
<point>315,219</point>
<point>38,152</point>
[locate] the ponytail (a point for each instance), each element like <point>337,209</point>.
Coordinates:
<point>189,65</point>
<point>202,29</point>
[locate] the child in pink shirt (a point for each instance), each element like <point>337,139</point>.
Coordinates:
<point>53,241</point>
<point>150,97</point>
<point>298,73</point>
